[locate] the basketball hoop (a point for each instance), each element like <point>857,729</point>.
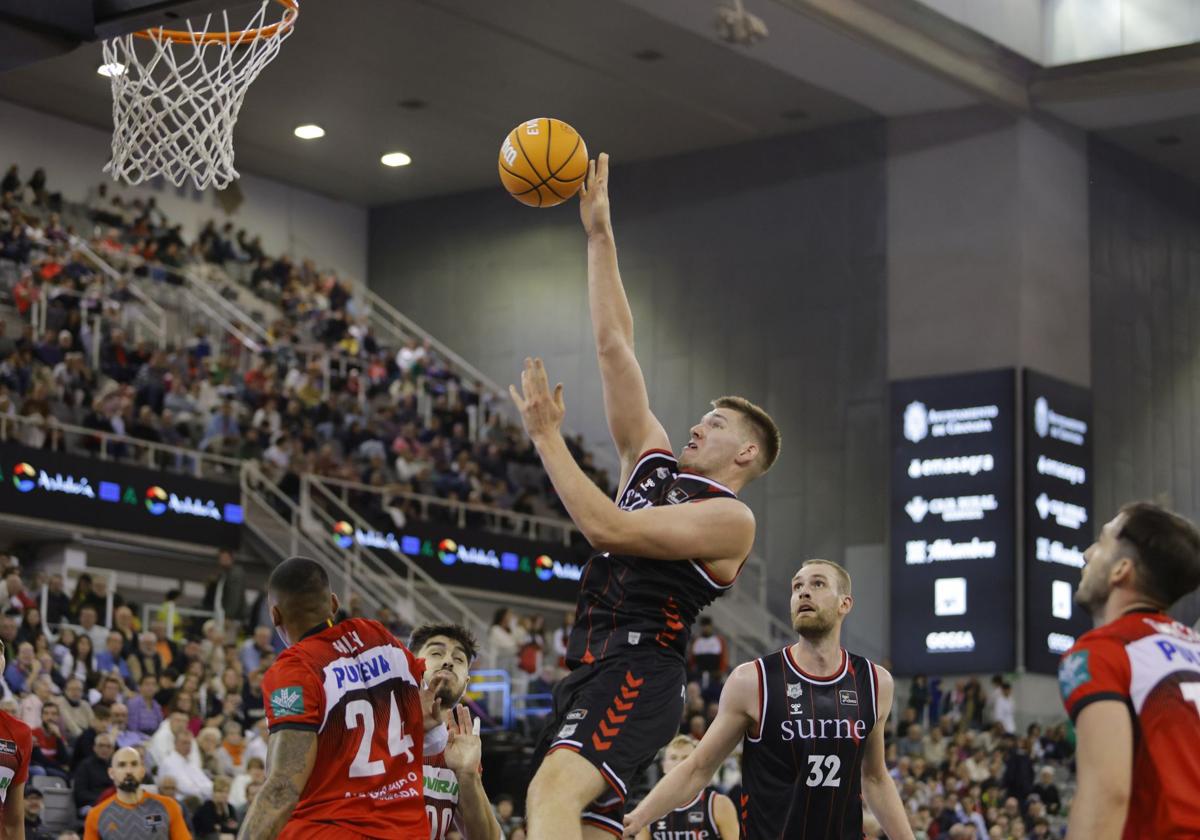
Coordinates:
<point>175,105</point>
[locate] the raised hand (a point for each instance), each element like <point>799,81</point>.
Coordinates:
<point>594,209</point>
<point>464,749</point>
<point>541,411</point>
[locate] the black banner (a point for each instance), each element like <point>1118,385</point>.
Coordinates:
<point>953,519</point>
<point>1058,515</point>
<point>476,559</point>
<point>118,497</point>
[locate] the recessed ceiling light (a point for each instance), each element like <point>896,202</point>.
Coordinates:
<point>412,104</point>
<point>395,159</point>
<point>648,55</point>
<point>309,132</point>
<point>1168,140</point>
<point>110,70</point>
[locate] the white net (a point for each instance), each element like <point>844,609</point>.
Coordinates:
<point>175,103</point>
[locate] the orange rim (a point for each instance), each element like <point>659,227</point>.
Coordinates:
<point>182,36</point>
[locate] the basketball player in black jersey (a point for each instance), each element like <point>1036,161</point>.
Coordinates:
<point>710,816</point>
<point>659,560</point>
<point>812,719</point>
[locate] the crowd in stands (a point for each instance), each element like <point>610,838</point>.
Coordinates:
<point>323,396</point>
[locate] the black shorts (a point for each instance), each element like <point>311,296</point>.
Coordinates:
<point>617,713</point>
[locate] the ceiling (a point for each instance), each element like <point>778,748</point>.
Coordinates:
<point>479,68</point>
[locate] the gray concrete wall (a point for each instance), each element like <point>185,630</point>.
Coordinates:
<point>757,269</point>
<point>1145,246</point>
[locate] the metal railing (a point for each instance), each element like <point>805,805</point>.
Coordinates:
<point>496,520</point>
<point>106,447</point>
<point>430,597</point>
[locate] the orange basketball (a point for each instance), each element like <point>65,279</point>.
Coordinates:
<point>543,162</point>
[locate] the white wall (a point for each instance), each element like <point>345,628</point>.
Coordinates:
<point>290,220</point>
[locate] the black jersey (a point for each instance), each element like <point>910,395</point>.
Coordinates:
<point>694,821</point>
<point>629,601</point>
<point>801,770</point>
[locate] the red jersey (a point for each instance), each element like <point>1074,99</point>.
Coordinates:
<point>356,686</point>
<point>1152,663</point>
<point>16,747</point>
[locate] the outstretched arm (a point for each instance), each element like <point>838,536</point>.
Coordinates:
<point>738,712</point>
<point>878,789</point>
<point>633,427</point>
<point>720,529</point>
<point>291,754</point>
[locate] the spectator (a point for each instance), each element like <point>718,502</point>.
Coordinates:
<point>21,672</point>
<point>1047,790</point>
<point>216,816</point>
<point>504,814</point>
<point>255,772</point>
<point>87,625</point>
<point>189,776</point>
<point>145,714</point>
<point>120,728</point>
<point>1004,708</point>
<point>85,744</point>
<point>35,804</point>
<point>50,756</point>
<point>228,588</point>
<point>111,660</point>
<point>709,659</point>
<point>257,649</point>
<point>912,744</point>
<point>74,711</point>
<point>91,779</point>
<point>110,693</point>
<point>32,703</point>
<point>79,663</point>
<point>18,598</point>
<point>8,635</point>
<point>58,605</point>
<point>163,742</point>
<point>146,659</point>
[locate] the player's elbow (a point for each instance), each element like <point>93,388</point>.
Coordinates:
<point>613,345</point>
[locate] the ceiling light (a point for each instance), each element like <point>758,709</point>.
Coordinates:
<point>1168,140</point>
<point>412,104</point>
<point>309,132</point>
<point>395,159</point>
<point>110,70</point>
<point>648,55</point>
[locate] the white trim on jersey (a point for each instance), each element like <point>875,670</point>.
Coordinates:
<point>762,701</point>
<point>787,657</point>
<point>712,813</point>
<point>699,567</point>
<point>693,802</point>
<point>562,741</point>
<point>706,480</point>
<point>367,669</point>
<point>874,690</point>
<point>638,466</point>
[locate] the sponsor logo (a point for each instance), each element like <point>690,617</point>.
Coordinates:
<point>836,728</point>
<point>1048,423</point>
<point>543,567</point>
<point>343,534</point>
<point>677,495</point>
<point>695,817</point>
<point>567,731</point>
<point>1073,671</point>
<point>794,690</point>
<point>960,465</point>
<point>1176,629</point>
<point>1055,552</point>
<point>848,697</point>
<point>951,508</point>
<point>8,747</point>
<point>1057,469</point>
<point>797,709</point>
<point>950,641</point>
<point>921,421</point>
<point>919,552</point>
<point>23,477</point>
<point>646,485</point>
<point>288,701</point>
<point>577,714</point>
<point>153,821</point>
<point>1065,514</point>
<point>634,638</point>
<point>156,500</point>
<point>1060,599</point>
<point>950,596</point>
<point>447,551</point>
<point>662,473</point>
<point>916,421</point>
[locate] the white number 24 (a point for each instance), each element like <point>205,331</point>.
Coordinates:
<point>398,742</point>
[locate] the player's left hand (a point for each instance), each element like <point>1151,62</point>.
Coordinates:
<point>541,411</point>
<point>464,748</point>
<point>633,824</point>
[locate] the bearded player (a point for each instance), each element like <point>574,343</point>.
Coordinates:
<point>1132,685</point>
<point>812,719</point>
<point>454,795</point>
<point>710,816</point>
<point>659,560</point>
<point>345,712</point>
